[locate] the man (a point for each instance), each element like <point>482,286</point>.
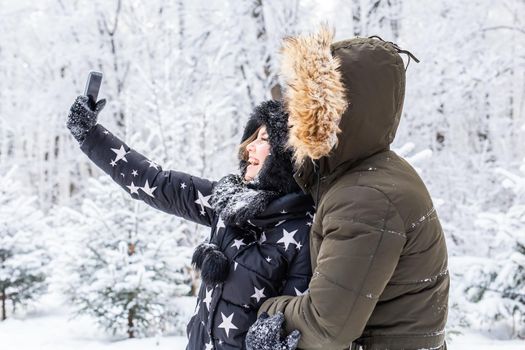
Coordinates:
<point>379,257</point>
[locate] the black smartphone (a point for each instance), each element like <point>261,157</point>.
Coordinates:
<point>93,86</point>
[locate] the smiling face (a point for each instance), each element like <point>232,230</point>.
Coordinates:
<point>255,152</point>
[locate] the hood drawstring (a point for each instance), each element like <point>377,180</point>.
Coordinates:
<point>399,50</point>
<point>318,173</point>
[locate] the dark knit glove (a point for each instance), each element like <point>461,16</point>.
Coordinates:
<point>265,334</point>
<point>83,116</point>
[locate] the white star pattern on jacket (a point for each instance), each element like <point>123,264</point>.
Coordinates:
<point>133,188</point>
<point>299,293</point>
<point>152,164</point>
<point>148,190</point>
<point>238,243</point>
<point>220,224</point>
<point>207,299</point>
<point>121,153</point>
<point>203,202</point>
<point>209,346</point>
<point>287,238</point>
<point>167,192</point>
<point>227,323</point>
<point>280,222</point>
<point>259,294</point>
<point>197,308</point>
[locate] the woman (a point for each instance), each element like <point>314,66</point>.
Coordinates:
<point>260,220</point>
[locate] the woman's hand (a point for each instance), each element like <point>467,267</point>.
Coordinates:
<point>83,116</point>
<point>265,334</point>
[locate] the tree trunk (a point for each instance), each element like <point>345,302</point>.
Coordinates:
<point>182,25</point>
<point>396,7</point>
<point>269,79</point>
<point>131,316</point>
<point>3,297</point>
<point>120,70</point>
<point>356,17</point>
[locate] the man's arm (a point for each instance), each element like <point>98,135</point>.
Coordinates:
<point>362,239</point>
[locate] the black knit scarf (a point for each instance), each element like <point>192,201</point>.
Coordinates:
<point>237,201</point>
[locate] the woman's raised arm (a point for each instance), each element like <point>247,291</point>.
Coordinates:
<point>170,191</point>
<point>173,192</point>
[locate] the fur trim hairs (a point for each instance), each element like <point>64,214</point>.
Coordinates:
<point>212,262</point>
<point>200,253</point>
<point>215,268</point>
<point>314,94</point>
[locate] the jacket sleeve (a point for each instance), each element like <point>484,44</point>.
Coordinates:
<point>362,236</point>
<point>170,191</point>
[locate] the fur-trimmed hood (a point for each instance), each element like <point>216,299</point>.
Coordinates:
<point>344,100</point>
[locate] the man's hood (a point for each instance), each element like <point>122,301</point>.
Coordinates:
<point>344,99</point>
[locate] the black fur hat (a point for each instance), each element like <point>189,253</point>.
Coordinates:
<point>276,173</point>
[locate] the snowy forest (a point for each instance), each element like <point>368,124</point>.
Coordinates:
<point>79,256</point>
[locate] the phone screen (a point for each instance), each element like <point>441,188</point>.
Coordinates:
<point>93,86</point>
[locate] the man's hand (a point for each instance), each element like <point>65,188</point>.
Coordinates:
<point>265,334</point>
<point>83,116</point>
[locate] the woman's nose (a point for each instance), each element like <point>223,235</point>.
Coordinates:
<point>250,147</point>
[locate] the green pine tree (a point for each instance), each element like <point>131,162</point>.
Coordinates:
<point>129,267</point>
<point>23,254</point>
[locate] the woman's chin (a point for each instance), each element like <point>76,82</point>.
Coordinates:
<point>248,176</point>
<point>250,173</point>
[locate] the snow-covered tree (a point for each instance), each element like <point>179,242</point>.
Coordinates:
<point>497,283</point>
<point>23,255</point>
<point>181,78</point>
<point>129,265</point>
<point>461,102</point>
<point>187,72</point>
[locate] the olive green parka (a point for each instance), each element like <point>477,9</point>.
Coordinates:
<point>378,252</point>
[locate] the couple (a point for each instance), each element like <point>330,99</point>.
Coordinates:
<point>375,246</point>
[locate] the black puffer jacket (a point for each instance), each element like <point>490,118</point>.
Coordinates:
<point>268,255</point>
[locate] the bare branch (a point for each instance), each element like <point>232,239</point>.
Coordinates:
<point>521,30</point>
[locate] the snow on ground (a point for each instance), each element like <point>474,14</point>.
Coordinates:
<point>48,327</point>
<point>473,341</point>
